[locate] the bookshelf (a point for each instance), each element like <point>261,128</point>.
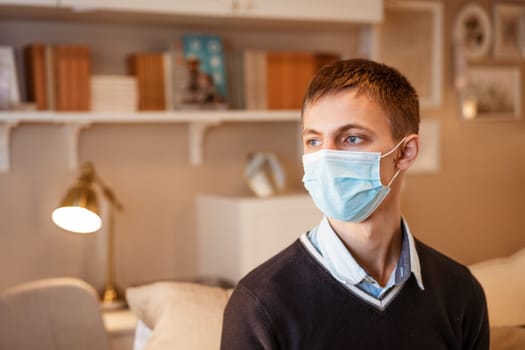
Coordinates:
<point>150,26</point>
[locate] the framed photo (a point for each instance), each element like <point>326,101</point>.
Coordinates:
<point>492,93</point>
<point>410,39</point>
<point>509,30</point>
<point>473,31</point>
<point>428,158</point>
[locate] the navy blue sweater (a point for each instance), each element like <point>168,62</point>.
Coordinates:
<point>292,302</point>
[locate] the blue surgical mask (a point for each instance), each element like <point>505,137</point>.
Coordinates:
<point>346,185</point>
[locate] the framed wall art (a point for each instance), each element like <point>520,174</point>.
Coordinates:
<point>492,93</point>
<point>473,31</point>
<point>509,30</point>
<point>410,39</point>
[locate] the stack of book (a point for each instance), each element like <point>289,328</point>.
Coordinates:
<point>191,75</point>
<point>113,93</point>
<point>58,76</point>
<point>273,79</point>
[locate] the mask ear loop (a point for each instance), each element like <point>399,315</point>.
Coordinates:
<point>393,148</point>
<point>393,178</point>
<point>389,153</point>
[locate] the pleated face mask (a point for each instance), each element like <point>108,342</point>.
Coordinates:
<point>346,185</point>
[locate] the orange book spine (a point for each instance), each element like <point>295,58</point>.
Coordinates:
<point>288,76</point>
<point>72,92</point>
<point>84,68</point>
<point>149,72</point>
<point>34,56</point>
<point>159,81</point>
<point>60,79</point>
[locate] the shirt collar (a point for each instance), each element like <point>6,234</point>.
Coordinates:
<point>337,257</point>
<point>343,265</point>
<point>415,266</point>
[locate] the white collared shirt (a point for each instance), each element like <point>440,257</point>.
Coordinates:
<point>333,254</point>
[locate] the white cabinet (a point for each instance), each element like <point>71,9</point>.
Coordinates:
<point>237,234</point>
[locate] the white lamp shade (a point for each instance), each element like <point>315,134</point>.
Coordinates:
<point>76,219</point>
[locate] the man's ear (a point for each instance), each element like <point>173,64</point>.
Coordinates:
<point>408,152</point>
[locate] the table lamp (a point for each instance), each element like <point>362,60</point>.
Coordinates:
<point>79,212</point>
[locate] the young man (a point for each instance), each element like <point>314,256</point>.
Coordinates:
<point>359,280</point>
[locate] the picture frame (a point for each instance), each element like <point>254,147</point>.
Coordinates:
<point>491,93</point>
<point>429,155</point>
<point>410,39</point>
<point>509,31</point>
<point>473,31</point>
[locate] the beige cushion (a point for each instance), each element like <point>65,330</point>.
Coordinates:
<point>507,338</point>
<point>52,314</point>
<point>182,315</point>
<point>503,280</point>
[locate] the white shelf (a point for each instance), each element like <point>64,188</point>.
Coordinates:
<point>188,116</point>
<point>74,122</point>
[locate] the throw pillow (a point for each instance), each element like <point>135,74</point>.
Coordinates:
<point>181,315</point>
<point>504,284</point>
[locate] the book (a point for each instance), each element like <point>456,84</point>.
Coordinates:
<point>61,77</point>
<point>113,93</point>
<point>50,77</point>
<point>70,69</point>
<point>148,69</point>
<point>288,75</point>
<point>179,75</point>
<point>35,63</point>
<point>206,84</point>
<point>254,78</point>
<point>277,79</point>
<point>83,67</point>
<point>236,87</point>
<point>9,93</point>
<point>168,80</point>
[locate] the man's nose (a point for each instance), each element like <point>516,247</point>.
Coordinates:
<point>330,145</point>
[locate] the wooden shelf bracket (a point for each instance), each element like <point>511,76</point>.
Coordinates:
<point>5,136</point>
<point>71,133</point>
<point>197,131</point>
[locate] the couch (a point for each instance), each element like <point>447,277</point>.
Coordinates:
<point>52,314</point>
<point>188,316</point>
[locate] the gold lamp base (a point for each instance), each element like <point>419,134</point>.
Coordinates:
<point>112,299</point>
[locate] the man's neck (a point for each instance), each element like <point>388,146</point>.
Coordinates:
<point>375,243</point>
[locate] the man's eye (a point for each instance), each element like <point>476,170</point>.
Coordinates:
<point>354,140</point>
<point>313,142</point>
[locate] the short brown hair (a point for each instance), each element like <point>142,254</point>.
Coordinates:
<point>382,84</point>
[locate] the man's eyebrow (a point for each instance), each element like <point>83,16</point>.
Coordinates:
<point>310,131</point>
<point>352,126</point>
<point>339,130</point>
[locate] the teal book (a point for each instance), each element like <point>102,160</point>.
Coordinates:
<point>205,59</point>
